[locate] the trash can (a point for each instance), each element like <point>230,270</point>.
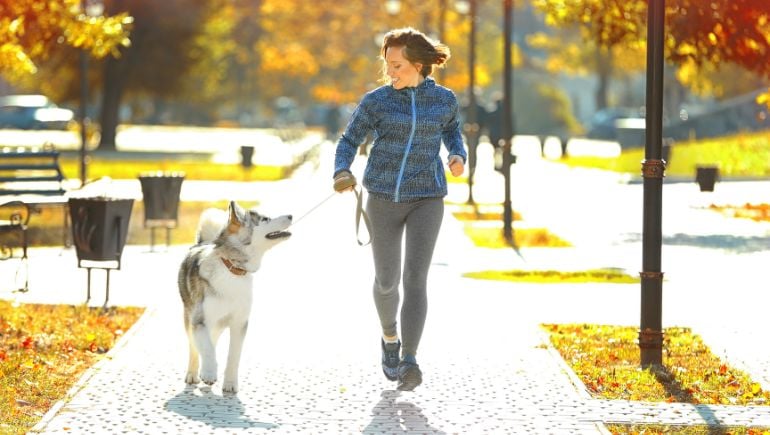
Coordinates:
<point>706,176</point>
<point>247,152</point>
<point>160,195</point>
<point>99,230</point>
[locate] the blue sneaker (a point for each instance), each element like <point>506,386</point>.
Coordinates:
<point>390,359</point>
<point>409,376</point>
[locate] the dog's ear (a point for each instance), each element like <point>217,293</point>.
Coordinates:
<point>234,220</point>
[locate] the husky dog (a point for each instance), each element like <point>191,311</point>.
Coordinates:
<point>215,284</point>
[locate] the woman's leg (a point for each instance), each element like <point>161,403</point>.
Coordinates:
<point>422,228</point>
<point>387,220</point>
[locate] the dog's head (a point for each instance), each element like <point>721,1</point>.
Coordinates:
<point>255,230</point>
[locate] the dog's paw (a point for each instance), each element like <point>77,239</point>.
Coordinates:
<point>192,379</point>
<point>230,387</point>
<point>209,373</point>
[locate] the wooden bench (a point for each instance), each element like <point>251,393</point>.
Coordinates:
<point>34,177</point>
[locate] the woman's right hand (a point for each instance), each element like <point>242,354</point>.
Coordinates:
<point>344,181</point>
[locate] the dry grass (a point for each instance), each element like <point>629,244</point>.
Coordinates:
<point>44,349</point>
<point>659,429</point>
<point>46,228</point>
<point>606,358</point>
<point>555,276</point>
<point>755,212</point>
<point>193,170</point>
<point>486,236</point>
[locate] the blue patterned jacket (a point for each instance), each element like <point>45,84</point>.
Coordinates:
<point>408,126</point>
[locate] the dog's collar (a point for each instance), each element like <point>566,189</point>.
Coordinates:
<point>235,270</point>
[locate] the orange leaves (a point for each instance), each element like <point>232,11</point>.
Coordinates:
<point>44,348</point>
<point>606,359</point>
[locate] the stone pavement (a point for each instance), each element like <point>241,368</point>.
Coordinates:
<point>310,362</point>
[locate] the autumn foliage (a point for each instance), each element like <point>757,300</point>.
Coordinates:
<point>43,351</point>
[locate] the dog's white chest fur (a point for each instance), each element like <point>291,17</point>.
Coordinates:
<point>232,296</point>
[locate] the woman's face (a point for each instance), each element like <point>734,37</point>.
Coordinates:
<point>402,73</point>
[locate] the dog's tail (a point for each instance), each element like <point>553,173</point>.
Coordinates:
<point>211,224</point>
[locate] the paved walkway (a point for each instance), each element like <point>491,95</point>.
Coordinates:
<point>310,363</point>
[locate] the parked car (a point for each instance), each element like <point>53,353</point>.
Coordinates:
<point>33,112</point>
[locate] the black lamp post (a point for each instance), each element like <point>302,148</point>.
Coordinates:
<point>471,126</point>
<point>653,169</point>
<point>507,127</point>
<point>91,8</point>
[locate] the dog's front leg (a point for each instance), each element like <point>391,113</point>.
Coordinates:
<point>237,335</point>
<point>207,352</point>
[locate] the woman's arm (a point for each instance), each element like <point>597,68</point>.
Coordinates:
<point>355,133</point>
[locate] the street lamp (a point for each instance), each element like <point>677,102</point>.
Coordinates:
<point>653,169</point>
<point>507,127</point>
<point>471,127</point>
<point>91,8</point>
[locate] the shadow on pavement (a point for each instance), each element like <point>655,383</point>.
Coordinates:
<point>727,242</point>
<point>397,417</point>
<point>216,411</point>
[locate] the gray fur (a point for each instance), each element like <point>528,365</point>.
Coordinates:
<point>214,297</point>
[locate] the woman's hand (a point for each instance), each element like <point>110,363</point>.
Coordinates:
<point>456,165</point>
<point>344,181</point>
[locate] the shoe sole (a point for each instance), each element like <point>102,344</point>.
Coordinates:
<point>390,378</point>
<point>408,386</point>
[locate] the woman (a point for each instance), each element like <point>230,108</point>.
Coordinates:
<point>408,119</point>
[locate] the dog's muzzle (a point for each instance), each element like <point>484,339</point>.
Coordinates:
<point>277,235</point>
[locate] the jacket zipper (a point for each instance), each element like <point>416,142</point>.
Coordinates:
<point>408,146</point>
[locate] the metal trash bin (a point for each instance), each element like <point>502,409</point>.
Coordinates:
<point>99,230</point>
<point>706,176</point>
<point>160,195</point>
<point>247,153</point>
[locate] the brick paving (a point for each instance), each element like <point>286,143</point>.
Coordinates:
<point>310,362</point>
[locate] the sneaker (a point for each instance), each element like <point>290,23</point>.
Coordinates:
<point>409,376</point>
<point>390,359</point>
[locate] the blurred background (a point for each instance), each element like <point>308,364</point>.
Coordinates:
<point>578,66</point>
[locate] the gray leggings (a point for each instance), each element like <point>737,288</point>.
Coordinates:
<point>422,221</point>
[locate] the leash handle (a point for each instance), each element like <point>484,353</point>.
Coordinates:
<point>361,213</point>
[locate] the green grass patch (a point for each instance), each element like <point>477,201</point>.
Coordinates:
<point>739,155</point>
<point>659,429</point>
<point>607,361</point>
<point>43,351</point>
<point>492,237</point>
<point>555,276</point>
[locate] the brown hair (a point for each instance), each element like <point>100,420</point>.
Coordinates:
<point>418,48</point>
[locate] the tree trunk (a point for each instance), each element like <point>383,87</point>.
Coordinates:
<point>603,73</point>
<point>114,83</point>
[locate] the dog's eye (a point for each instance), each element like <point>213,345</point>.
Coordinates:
<point>264,219</point>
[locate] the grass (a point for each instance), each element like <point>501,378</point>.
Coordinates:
<point>739,155</point>
<point>193,170</point>
<point>655,429</point>
<point>46,228</point>
<point>492,237</point>
<point>44,349</point>
<point>755,212</point>
<point>606,359</point>
<point>555,276</point>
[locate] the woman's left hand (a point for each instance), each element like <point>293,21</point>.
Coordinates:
<point>456,165</point>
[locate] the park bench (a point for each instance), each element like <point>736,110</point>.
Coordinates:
<point>30,179</point>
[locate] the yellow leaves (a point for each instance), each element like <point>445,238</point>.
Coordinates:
<point>54,22</point>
